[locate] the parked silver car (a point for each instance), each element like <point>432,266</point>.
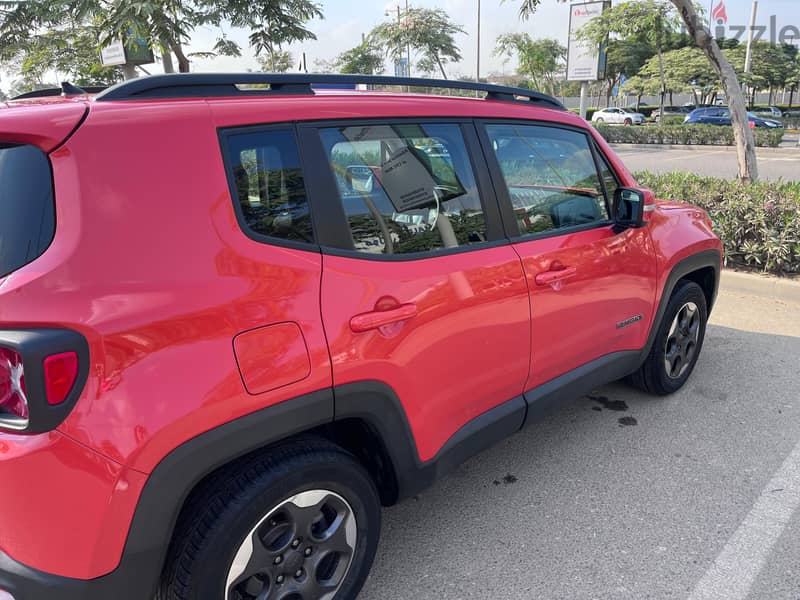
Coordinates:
<point>768,111</point>
<point>617,116</point>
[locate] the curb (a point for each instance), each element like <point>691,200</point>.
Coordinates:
<point>787,290</point>
<point>793,152</point>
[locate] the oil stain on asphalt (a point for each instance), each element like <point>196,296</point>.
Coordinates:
<point>507,480</point>
<point>615,405</point>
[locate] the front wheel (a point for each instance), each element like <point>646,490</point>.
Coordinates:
<point>677,344</point>
<point>599,120</point>
<point>628,122</point>
<point>301,522</point>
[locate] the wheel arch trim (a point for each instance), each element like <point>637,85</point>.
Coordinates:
<point>695,262</point>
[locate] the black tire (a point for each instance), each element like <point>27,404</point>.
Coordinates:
<point>600,120</point>
<point>628,122</point>
<point>239,501</point>
<point>653,375</point>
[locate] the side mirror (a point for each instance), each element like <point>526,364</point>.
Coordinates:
<point>359,178</point>
<point>628,208</point>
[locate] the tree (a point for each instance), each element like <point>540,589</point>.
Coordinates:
<point>641,85</point>
<point>699,33</point>
<point>771,66</point>
<point>650,21</point>
<point>167,24</point>
<point>69,51</point>
<point>540,60</point>
<point>625,57</point>
<point>793,81</point>
<point>366,58</point>
<point>428,32</point>
<point>685,69</point>
<point>277,61</point>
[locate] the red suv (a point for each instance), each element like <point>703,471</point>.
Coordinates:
<point>239,313</point>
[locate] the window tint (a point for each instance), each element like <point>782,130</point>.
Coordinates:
<point>27,210</point>
<point>406,187</point>
<point>551,177</point>
<point>269,184</point>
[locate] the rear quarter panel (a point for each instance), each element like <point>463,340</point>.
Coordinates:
<point>151,266</point>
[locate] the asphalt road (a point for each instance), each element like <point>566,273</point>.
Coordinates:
<point>625,496</point>
<point>718,162</point>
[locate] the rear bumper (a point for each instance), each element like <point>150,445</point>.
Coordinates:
<point>64,508</point>
<point>24,583</point>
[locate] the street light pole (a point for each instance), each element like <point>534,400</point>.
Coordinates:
<point>408,43</point>
<point>749,56</point>
<point>478,61</point>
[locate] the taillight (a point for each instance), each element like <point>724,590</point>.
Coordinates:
<point>60,373</point>
<point>13,400</point>
<point>42,374</point>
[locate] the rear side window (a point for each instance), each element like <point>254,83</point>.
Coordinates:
<point>551,177</point>
<point>27,208</point>
<point>406,187</point>
<point>268,183</point>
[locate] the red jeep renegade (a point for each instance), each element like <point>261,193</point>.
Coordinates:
<point>239,313</point>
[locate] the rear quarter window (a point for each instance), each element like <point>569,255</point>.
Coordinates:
<point>27,207</point>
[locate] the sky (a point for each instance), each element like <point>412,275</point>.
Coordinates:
<point>345,20</point>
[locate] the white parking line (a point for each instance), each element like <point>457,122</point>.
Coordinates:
<point>741,560</point>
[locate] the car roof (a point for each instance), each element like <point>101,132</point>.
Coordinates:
<point>329,106</point>
<point>292,97</point>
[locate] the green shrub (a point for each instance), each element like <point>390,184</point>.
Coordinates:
<point>759,224</point>
<point>673,120</point>
<point>706,135</point>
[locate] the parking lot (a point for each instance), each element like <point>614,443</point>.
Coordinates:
<point>773,164</point>
<point>619,495</point>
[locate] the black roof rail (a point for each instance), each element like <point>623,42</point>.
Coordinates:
<point>198,85</point>
<point>66,89</point>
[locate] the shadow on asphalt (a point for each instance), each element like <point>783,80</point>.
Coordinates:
<point>607,496</point>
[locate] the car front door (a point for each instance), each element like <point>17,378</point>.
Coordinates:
<point>421,290</point>
<point>592,287</point>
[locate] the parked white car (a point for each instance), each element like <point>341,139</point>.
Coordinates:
<point>617,116</point>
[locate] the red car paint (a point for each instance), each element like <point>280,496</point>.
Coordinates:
<point>191,324</point>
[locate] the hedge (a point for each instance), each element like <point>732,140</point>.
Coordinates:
<point>759,224</point>
<point>709,135</point>
<point>673,120</point>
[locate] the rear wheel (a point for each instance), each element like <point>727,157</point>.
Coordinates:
<point>678,342</point>
<point>300,523</point>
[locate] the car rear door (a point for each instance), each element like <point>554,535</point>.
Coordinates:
<point>592,287</point>
<point>420,289</point>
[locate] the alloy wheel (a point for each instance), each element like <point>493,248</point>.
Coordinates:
<point>681,344</point>
<point>301,550</point>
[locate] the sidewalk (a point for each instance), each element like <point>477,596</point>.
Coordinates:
<point>754,284</point>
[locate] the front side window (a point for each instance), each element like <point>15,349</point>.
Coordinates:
<point>268,180</point>
<point>405,187</point>
<point>551,177</point>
